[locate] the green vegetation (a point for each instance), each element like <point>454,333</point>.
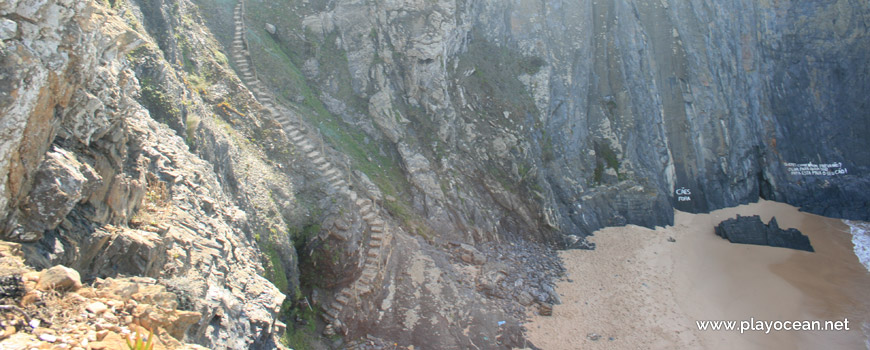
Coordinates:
<point>139,343</point>
<point>301,338</point>
<point>548,153</point>
<point>301,236</point>
<point>605,157</point>
<point>274,267</point>
<point>282,59</point>
<point>161,105</point>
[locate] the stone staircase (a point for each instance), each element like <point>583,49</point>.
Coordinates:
<point>377,238</point>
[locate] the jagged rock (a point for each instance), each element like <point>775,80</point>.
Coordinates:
<point>471,255</point>
<point>545,309</point>
<point>525,299</point>
<point>59,278</point>
<point>11,287</point>
<point>270,28</point>
<point>59,184</point>
<point>96,307</point>
<point>751,230</point>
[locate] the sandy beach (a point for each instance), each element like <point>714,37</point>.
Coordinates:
<point>638,290</point>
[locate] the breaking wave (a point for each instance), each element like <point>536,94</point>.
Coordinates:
<point>861,240</point>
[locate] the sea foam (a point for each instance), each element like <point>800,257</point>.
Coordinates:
<point>861,240</point>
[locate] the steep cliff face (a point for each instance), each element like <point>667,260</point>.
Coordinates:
<point>548,120</point>
<point>594,113</point>
<point>415,153</point>
<point>94,182</point>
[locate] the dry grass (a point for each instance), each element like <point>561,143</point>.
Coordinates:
<point>155,205</point>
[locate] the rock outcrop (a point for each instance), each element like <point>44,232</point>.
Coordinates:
<point>54,310</point>
<point>91,181</point>
<point>597,114</point>
<point>751,230</point>
<point>397,168</point>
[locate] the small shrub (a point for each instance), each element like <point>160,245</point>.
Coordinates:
<point>139,343</point>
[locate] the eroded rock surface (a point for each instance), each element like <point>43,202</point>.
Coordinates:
<point>751,230</point>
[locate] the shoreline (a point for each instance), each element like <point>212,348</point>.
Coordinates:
<point>638,290</point>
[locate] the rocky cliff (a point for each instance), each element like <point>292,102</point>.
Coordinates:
<point>598,112</point>
<point>398,167</point>
<point>93,181</point>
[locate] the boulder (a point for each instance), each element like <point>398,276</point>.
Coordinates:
<point>545,309</point>
<point>471,255</point>
<point>270,28</point>
<point>59,278</point>
<point>751,230</point>
<point>59,184</point>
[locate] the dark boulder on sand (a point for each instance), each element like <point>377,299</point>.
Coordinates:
<point>751,230</point>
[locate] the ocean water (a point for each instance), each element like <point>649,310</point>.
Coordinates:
<point>861,240</point>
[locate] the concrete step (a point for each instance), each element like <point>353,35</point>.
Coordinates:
<point>377,222</point>
<point>330,172</point>
<point>319,161</point>
<point>331,313</point>
<point>313,154</point>
<point>323,167</point>
<point>338,184</point>
<point>375,243</point>
<point>362,202</point>
<point>306,147</point>
<point>335,179</point>
<point>343,300</point>
<point>336,306</point>
<point>377,236</point>
<point>365,208</point>
<point>370,275</point>
<point>370,216</point>
<point>376,228</point>
<point>373,252</point>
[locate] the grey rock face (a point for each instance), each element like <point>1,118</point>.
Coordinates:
<point>91,181</point>
<point>549,120</point>
<point>59,184</point>
<point>598,112</point>
<point>751,230</point>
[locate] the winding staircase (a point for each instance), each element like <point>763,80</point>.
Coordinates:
<point>376,243</point>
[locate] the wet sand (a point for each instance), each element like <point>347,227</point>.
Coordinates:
<point>637,290</point>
